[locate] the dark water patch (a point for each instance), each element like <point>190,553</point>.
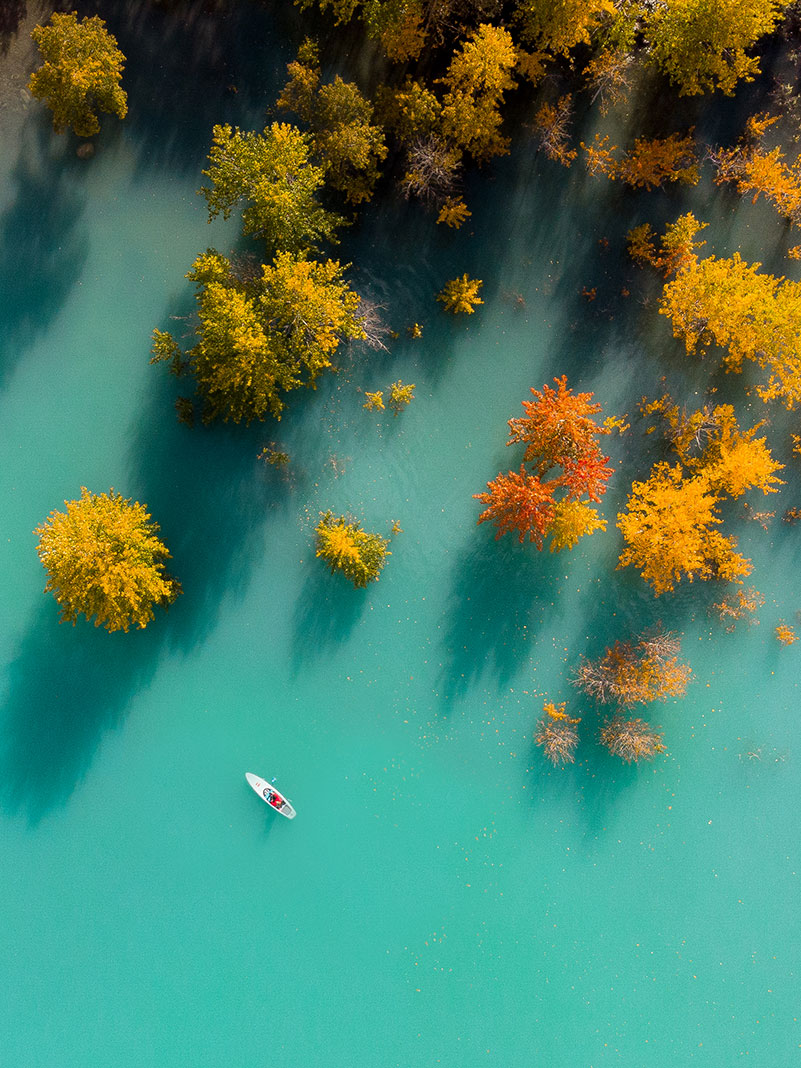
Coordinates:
<point>66,687</point>
<point>43,242</point>
<point>189,66</point>
<point>325,613</point>
<point>500,596</point>
<point>12,13</point>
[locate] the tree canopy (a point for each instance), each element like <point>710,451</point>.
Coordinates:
<point>701,44</point>
<point>753,316</point>
<point>669,528</point>
<point>80,74</point>
<point>345,143</point>
<point>347,547</point>
<point>103,559</point>
<point>261,337</point>
<point>272,175</point>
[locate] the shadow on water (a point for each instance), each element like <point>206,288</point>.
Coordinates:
<point>237,52</point>
<point>12,12</point>
<point>42,244</point>
<point>68,685</point>
<point>499,593</point>
<point>326,612</point>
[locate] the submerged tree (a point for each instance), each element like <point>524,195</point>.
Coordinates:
<point>631,739</point>
<point>649,163</point>
<point>557,734</point>
<point>559,432</point>
<point>260,337</point>
<point>104,559</point>
<point>521,503</point>
<point>753,316</point>
<point>742,604</point>
<point>460,295</point>
<point>701,44</point>
<point>669,530</point>
<point>272,175</point>
<point>81,72</point>
<point>477,78</point>
<point>344,141</point>
<point>635,673</point>
<point>347,547</point>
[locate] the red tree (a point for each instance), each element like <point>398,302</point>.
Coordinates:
<point>519,502</point>
<point>558,427</point>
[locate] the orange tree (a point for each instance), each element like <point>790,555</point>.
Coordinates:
<point>636,673</point>
<point>560,434</point>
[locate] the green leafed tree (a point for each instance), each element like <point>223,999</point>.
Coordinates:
<point>702,44</point>
<point>80,73</point>
<point>260,337</point>
<point>344,140</point>
<point>271,175</point>
<point>103,559</point>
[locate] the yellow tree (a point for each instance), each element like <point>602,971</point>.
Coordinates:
<point>701,44</point>
<point>669,527</point>
<point>103,559</point>
<point>347,547</point>
<point>735,461</point>
<point>460,295</point>
<point>752,316</point>
<point>258,338</point>
<point>344,141</point>
<point>555,27</point>
<point>571,521</point>
<point>479,74</point>
<point>80,74</point>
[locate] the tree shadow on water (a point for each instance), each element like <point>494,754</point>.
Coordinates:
<point>42,246</point>
<point>67,685</point>
<point>326,612</point>
<point>499,592</point>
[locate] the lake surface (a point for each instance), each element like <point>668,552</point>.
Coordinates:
<point>444,897</point>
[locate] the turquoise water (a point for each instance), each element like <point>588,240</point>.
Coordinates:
<point>443,897</point>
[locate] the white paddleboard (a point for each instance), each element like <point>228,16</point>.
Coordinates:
<point>272,797</point>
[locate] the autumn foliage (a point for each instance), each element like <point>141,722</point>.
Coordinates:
<point>648,164</point>
<point>631,739</point>
<point>670,531</point>
<point>557,734</point>
<point>560,436</point>
<point>751,315</point>
<point>638,672</point>
<point>104,559</point>
<point>345,546</point>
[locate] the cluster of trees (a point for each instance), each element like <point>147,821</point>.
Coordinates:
<point>628,673</point>
<point>261,335</point>
<point>670,524</point>
<point>566,470</point>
